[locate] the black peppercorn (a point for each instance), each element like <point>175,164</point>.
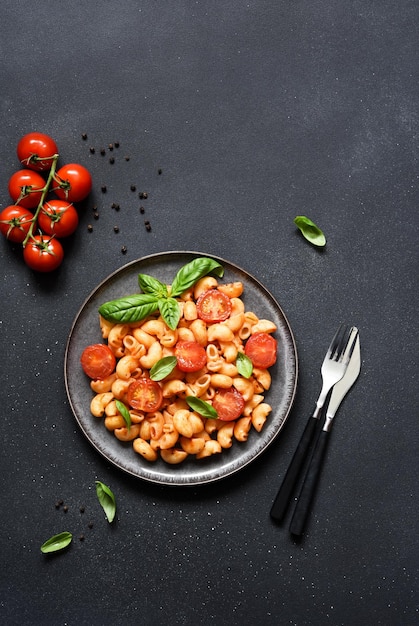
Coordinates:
<point>116,229</point>
<point>124,249</point>
<point>116,144</point>
<point>111,160</point>
<point>84,136</point>
<point>90,228</point>
<point>92,150</point>
<point>142,210</point>
<point>103,188</point>
<point>133,187</point>
<point>96,215</point>
<point>102,151</point>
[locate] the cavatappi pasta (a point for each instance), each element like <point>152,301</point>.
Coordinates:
<point>175,431</point>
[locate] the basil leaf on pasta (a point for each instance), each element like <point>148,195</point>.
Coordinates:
<point>170,311</point>
<point>163,368</point>
<point>106,499</point>
<point>244,365</point>
<point>56,542</point>
<point>151,285</point>
<point>203,408</point>
<point>124,412</point>
<point>190,273</point>
<point>129,308</point>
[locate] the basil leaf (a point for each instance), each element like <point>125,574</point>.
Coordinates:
<point>200,406</point>
<point>130,308</point>
<point>151,285</point>
<point>190,273</point>
<point>57,542</point>
<point>244,365</point>
<point>124,412</point>
<point>163,368</point>
<point>170,311</point>
<point>310,231</point>
<point>106,499</point>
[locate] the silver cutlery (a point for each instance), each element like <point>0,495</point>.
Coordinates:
<point>313,470</point>
<point>333,369</point>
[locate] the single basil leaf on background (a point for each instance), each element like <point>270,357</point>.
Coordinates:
<point>163,367</point>
<point>130,308</point>
<point>57,542</point>
<point>151,285</point>
<point>190,273</point>
<point>310,231</point>
<point>106,499</point>
<point>244,365</point>
<point>124,412</point>
<point>170,311</point>
<point>203,408</point>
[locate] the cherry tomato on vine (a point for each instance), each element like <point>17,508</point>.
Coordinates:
<point>213,306</point>
<point>229,404</point>
<point>145,394</point>
<point>25,188</point>
<point>43,254</point>
<point>58,217</point>
<point>191,356</point>
<point>15,222</point>
<point>35,150</point>
<point>261,350</point>
<point>98,361</point>
<point>72,182</point>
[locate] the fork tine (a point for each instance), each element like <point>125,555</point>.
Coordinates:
<point>350,344</point>
<point>338,342</point>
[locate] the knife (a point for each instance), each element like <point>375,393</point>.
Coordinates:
<point>313,471</point>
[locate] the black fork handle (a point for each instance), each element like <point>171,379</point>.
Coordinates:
<point>308,488</point>
<point>283,496</point>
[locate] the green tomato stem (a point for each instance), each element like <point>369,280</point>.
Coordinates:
<point>41,202</point>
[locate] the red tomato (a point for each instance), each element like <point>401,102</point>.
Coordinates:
<point>58,217</point>
<point>35,150</point>
<point>98,361</point>
<point>213,306</point>
<point>15,222</point>
<point>43,254</point>
<point>145,394</point>
<point>72,182</point>
<point>191,356</point>
<point>261,350</point>
<point>25,187</point>
<point>229,404</point>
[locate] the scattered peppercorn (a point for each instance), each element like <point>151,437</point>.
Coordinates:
<point>57,505</point>
<point>110,146</point>
<point>111,160</point>
<point>82,509</point>
<point>116,229</point>
<point>116,144</point>
<point>143,195</point>
<point>127,158</point>
<point>159,171</point>
<point>102,151</point>
<point>124,249</point>
<point>147,225</point>
<point>90,228</point>
<point>90,524</point>
<point>92,150</point>
<point>81,537</point>
<point>115,206</point>
<point>103,188</point>
<point>65,509</point>
<point>96,215</point>
<point>84,136</point>
<point>133,187</point>
<point>142,210</point>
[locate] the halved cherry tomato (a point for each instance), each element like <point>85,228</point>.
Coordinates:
<point>43,254</point>
<point>25,187</point>
<point>72,182</point>
<point>145,394</point>
<point>213,306</point>
<point>191,356</point>
<point>229,404</point>
<point>58,217</point>
<point>15,222</point>
<point>261,349</point>
<point>98,361</point>
<point>35,150</point>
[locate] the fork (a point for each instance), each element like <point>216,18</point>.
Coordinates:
<point>332,370</point>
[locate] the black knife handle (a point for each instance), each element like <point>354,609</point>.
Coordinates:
<point>283,496</point>
<point>309,485</point>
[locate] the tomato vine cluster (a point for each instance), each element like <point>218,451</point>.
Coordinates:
<point>43,211</point>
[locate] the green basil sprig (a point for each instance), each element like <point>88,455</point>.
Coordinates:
<point>156,297</point>
<point>203,408</point>
<point>163,367</point>
<point>310,231</point>
<point>106,499</point>
<point>124,412</point>
<point>244,365</point>
<point>57,542</point>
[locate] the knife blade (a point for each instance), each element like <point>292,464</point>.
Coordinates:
<point>313,471</point>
